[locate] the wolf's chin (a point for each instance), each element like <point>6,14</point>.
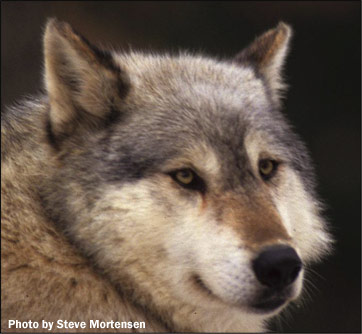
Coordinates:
<point>268,303</point>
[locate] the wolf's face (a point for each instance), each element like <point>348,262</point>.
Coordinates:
<point>181,179</point>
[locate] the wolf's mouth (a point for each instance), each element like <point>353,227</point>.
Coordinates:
<point>270,300</point>
<point>269,305</point>
<point>200,284</point>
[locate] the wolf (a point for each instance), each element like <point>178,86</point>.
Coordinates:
<point>168,189</point>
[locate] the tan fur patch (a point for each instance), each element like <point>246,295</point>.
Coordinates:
<point>254,219</point>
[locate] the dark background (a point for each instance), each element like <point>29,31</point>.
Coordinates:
<point>323,101</point>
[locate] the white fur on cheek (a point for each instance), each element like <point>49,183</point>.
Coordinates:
<point>301,217</point>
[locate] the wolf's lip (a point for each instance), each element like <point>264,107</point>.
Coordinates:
<point>272,299</point>
<point>269,305</point>
<point>266,304</point>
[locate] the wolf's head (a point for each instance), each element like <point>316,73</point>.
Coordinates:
<point>180,179</point>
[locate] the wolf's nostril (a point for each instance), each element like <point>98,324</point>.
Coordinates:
<point>277,266</point>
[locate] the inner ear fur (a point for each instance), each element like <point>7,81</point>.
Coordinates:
<point>267,55</point>
<point>82,81</point>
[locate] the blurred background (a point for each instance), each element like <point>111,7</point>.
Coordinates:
<point>323,101</point>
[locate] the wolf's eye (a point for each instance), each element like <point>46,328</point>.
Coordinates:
<point>184,176</point>
<point>187,178</point>
<point>267,168</point>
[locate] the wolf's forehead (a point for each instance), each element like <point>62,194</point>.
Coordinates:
<point>194,80</point>
<point>181,103</point>
<point>194,92</point>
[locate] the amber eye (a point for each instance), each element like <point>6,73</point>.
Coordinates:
<point>267,168</point>
<point>188,179</point>
<point>184,176</point>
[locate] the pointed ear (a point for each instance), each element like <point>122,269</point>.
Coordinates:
<point>266,54</point>
<point>83,83</point>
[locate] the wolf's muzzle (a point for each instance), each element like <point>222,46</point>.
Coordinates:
<point>277,267</point>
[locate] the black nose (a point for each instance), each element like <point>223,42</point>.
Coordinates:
<point>277,266</point>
